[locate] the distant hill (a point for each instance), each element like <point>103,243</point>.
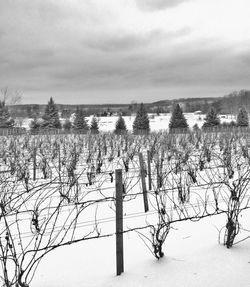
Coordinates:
<point>169,102</point>
<point>228,104</point>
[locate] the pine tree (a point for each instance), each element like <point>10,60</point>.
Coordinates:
<point>94,126</point>
<point>51,117</point>
<point>177,120</point>
<point>80,122</point>
<point>6,121</point>
<point>120,126</point>
<point>141,122</point>
<point>212,119</point>
<point>242,118</point>
<point>35,125</point>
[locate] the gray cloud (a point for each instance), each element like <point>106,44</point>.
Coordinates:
<point>153,5</point>
<point>124,42</point>
<point>48,49</point>
<point>203,67</point>
<point>186,67</point>
<point>83,72</point>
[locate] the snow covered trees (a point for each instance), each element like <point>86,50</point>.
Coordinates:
<point>49,120</point>
<point>141,122</point>
<point>120,126</point>
<point>212,120</point>
<point>242,118</point>
<point>5,119</point>
<point>177,120</point>
<point>51,117</point>
<point>35,125</point>
<point>80,123</point>
<point>94,129</point>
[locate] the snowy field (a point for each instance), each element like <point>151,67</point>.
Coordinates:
<point>194,251</point>
<point>193,258</point>
<point>157,123</point>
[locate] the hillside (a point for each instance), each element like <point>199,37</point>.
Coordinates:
<point>228,104</point>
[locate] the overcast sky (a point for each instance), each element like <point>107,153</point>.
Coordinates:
<point>104,51</point>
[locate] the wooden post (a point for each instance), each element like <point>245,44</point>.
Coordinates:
<point>15,150</point>
<point>144,189</point>
<point>119,222</point>
<point>149,171</point>
<point>75,151</point>
<point>59,159</point>
<point>34,163</point>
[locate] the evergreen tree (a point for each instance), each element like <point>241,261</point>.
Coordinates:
<point>6,121</point>
<point>141,122</point>
<point>177,120</point>
<point>242,118</point>
<point>51,117</point>
<point>67,125</point>
<point>35,125</point>
<point>120,126</point>
<point>212,119</point>
<point>94,126</point>
<point>80,122</point>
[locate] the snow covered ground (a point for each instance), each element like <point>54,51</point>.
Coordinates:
<point>193,258</point>
<point>157,123</point>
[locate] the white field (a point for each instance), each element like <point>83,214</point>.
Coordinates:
<point>193,255</point>
<point>193,258</point>
<point>157,123</point>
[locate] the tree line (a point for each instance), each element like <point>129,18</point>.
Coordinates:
<point>50,120</point>
<point>212,120</point>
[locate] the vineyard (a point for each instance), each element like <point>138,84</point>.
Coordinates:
<point>58,190</point>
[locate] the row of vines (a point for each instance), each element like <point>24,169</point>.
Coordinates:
<point>59,190</point>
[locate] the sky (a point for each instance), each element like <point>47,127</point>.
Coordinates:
<point>119,51</point>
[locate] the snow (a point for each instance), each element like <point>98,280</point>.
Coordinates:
<point>193,257</point>
<point>157,123</point>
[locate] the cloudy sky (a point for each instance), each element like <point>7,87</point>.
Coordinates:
<point>103,51</point>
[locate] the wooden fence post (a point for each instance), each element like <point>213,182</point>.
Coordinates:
<point>59,160</point>
<point>34,163</point>
<point>144,189</point>
<point>149,170</point>
<point>119,222</point>
<point>75,151</point>
<point>15,152</point>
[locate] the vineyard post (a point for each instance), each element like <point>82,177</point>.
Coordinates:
<point>75,151</point>
<point>59,159</point>
<point>149,170</point>
<point>15,152</point>
<point>144,189</point>
<point>34,162</point>
<point>119,222</point>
